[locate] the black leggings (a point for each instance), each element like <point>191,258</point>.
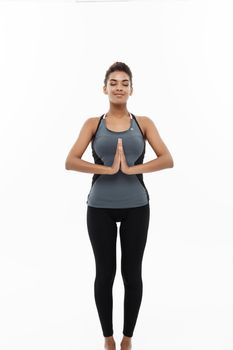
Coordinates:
<point>102,229</point>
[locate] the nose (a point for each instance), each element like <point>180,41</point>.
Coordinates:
<point>119,88</point>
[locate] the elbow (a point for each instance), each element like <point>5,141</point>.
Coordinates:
<point>67,164</point>
<point>171,163</point>
<point>72,163</point>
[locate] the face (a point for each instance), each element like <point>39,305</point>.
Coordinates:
<point>118,87</point>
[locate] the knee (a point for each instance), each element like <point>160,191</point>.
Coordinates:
<point>132,280</point>
<point>105,277</point>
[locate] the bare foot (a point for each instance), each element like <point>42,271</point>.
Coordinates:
<point>110,343</point>
<point>126,343</point>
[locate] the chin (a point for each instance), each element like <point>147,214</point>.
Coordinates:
<point>119,101</point>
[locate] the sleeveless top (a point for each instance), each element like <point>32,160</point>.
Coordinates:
<point>118,190</point>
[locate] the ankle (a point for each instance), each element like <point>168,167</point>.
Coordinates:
<point>110,343</point>
<point>109,339</point>
<point>126,339</point>
<point>126,344</point>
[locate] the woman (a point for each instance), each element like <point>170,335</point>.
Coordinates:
<point>118,194</point>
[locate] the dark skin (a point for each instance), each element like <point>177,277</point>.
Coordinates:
<point>119,89</point>
<point>118,120</point>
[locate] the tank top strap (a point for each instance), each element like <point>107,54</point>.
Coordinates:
<point>138,125</point>
<point>98,125</point>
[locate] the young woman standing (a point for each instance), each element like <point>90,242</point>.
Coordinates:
<point>118,194</point>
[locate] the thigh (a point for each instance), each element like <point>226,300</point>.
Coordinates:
<point>102,230</point>
<point>133,234</point>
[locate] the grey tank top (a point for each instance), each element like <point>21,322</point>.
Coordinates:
<point>118,190</point>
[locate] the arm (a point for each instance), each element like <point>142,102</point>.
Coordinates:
<point>164,159</point>
<point>74,161</point>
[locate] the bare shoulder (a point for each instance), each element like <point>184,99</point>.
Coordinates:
<point>144,120</point>
<point>92,120</point>
<point>84,138</point>
<point>91,124</point>
<point>145,123</point>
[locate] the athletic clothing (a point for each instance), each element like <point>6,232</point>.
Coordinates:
<point>118,198</point>
<point>102,230</point>
<point>119,190</point>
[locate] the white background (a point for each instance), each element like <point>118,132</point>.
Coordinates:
<point>53,59</point>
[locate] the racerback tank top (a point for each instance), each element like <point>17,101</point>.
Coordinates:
<point>119,190</point>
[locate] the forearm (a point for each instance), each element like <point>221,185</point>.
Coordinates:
<point>162,162</point>
<point>86,167</point>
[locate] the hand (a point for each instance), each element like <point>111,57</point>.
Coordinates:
<point>116,162</point>
<point>123,163</point>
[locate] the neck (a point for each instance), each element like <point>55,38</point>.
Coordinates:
<point>118,111</point>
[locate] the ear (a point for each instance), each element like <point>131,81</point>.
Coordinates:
<point>131,92</point>
<point>105,90</point>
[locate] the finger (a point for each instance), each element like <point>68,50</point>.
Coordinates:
<point>119,146</point>
<point>119,142</point>
<point>122,155</point>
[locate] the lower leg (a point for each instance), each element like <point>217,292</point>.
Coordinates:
<point>132,302</point>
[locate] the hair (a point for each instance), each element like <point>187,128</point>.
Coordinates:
<point>118,66</point>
